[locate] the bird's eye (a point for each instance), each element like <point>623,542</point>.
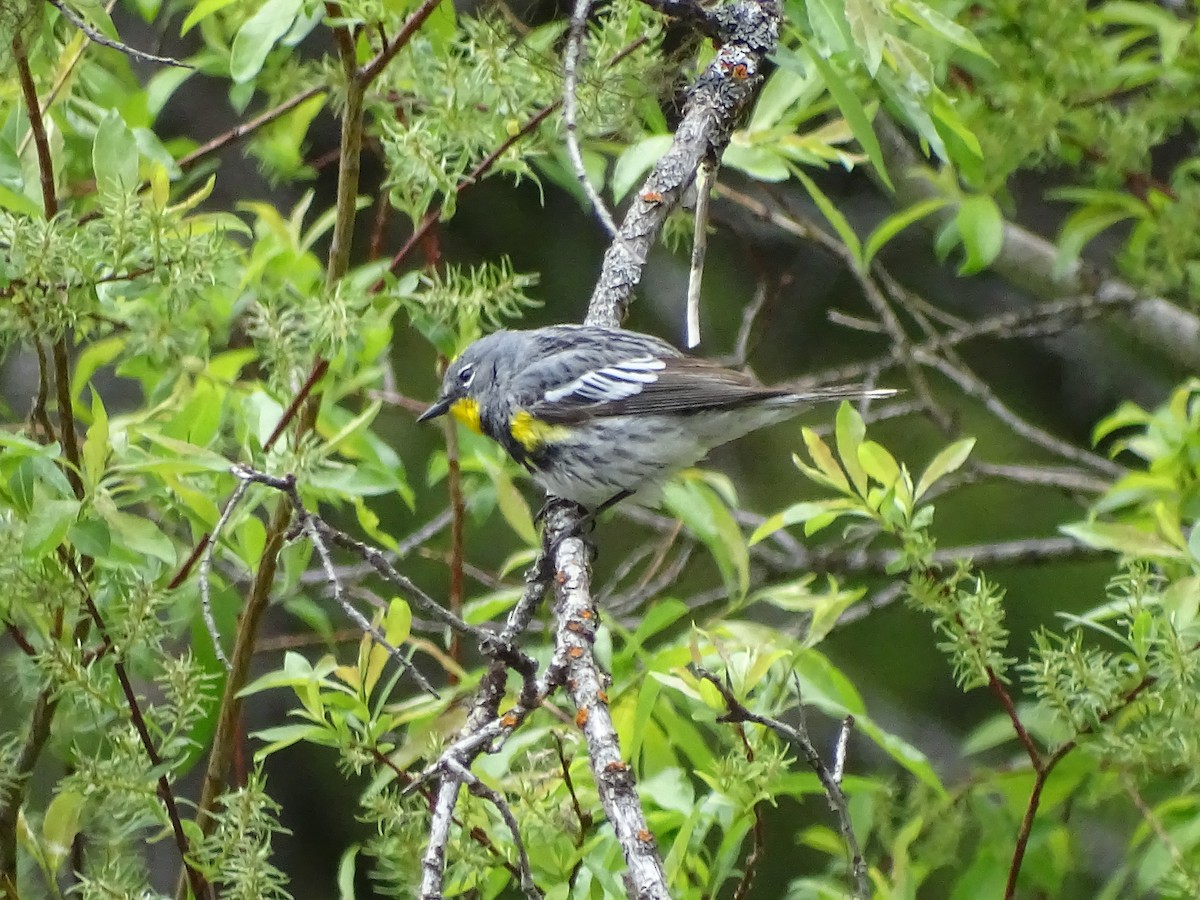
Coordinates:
<point>466,374</point>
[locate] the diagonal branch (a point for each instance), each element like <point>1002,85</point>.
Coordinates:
<point>749,31</point>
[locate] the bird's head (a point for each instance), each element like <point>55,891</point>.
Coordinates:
<point>476,372</point>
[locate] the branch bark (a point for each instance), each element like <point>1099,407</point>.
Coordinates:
<point>748,32</point>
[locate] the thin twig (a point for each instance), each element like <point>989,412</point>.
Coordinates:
<point>974,387</point>
<point>206,568</point>
<point>97,38</point>
<point>494,797</point>
<point>705,175</point>
<point>572,61</point>
<point>247,128</point>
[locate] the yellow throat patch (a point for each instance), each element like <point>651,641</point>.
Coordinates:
<point>467,412</point>
<point>531,433</point>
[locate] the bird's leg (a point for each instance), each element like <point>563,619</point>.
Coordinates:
<point>581,527</point>
<point>608,504</point>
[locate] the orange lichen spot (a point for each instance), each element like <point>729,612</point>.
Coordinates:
<point>581,717</point>
<point>644,836</point>
<point>586,614</point>
<point>740,72</point>
<point>509,720</point>
<point>602,695</point>
<point>576,627</point>
<point>652,197</point>
<point>616,766</point>
<point>575,652</point>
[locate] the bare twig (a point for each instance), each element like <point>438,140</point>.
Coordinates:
<point>572,61</point>
<point>974,387</point>
<point>839,750</point>
<point>705,174</point>
<point>206,568</point>
<point>247,128</point>
<point>97,38</point>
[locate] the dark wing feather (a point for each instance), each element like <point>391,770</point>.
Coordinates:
<point>651,385</point>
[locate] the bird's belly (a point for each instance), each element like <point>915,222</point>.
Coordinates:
<point>606,456</point>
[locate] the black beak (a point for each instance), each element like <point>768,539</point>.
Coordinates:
<point>439,408</point>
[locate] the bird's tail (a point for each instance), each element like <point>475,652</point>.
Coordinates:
<point>835,392</point>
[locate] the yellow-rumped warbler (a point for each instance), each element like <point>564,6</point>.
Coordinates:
<point>598,414</point>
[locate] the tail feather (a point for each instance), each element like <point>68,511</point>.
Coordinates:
<point>836,392</point>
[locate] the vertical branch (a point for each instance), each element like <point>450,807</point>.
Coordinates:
<point>576,616</point>
<point>457,522</point>
<point>44,707</point>
<point>744,33</point>
<point>349,158</point>
<point>62,369</point>
<point>22,769</point>
<point>37,127</point>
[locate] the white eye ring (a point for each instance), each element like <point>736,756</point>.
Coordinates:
<point>466,375</point>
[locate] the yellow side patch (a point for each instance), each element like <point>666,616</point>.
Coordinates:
<point>531,433</point>
<point>467,412</point>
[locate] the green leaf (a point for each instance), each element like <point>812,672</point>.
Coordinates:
<point>95,444</point>
<point>981,228</point>
<point>833,215</point>
<point>933,21</point>
<point>285,735</point>
<point>115,156</point>
<point>780,99</point>
<point>868,26</point>
<point>352,428</point>
<point>855,115</point>
<point>896,223</point>
<point>397,625</point>
<point>948,460</point>
<point>635,161</point>
<point>511,502</point>
<point>823,457</point>
<point>345,872</point>
<point>759,160</point>
<point>705,514</point>
<point>91,537</point>
<point>850,432</point>
<point>1127,540</point>
<point>60,826</point>
<point>92,357</point>
<point>1079,228</point>
<point>904,753</point>
<point>827,19</point>
<point>879,463</point>
<point>48,525</point>
<point>798,513</point>
<point>141,537</point>
<point>1127,415</point>
<point>258,36</point>
<point>824,608</point>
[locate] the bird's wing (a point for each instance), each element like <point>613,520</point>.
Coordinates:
<point>646,385</point>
